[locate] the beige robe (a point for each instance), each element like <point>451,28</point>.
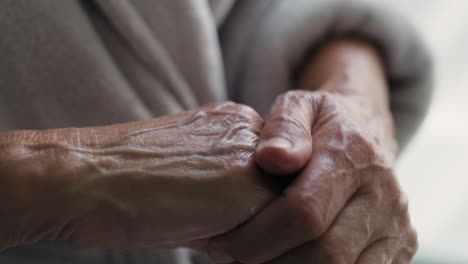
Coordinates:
<point>85,63</point>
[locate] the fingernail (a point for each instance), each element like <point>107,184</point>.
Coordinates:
<point>278,142</point>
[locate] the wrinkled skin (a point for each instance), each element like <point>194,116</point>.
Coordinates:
<point>190,180</point>
<point>346,206</point>
<point>153,183</point>
<point>334,140</point>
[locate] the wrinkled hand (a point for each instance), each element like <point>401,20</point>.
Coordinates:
<point>185,177</point>
<point>344,206</point>
<point>162,182</point>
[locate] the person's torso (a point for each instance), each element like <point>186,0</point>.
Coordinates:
<point>83,63</point>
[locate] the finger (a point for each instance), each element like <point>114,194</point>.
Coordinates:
<point>312,202</point>
<point>405,255</point>
<point>303,213</point>
<point>360,224</point>
<point>286,141</point>
<point>409,249</point>
<point>397,240</point>
<point>391,249</point>
<point>381,252</point>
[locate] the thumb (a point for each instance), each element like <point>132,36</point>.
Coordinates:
<point>285,144</point>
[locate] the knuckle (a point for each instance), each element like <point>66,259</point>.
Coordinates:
<point>359,148</point>
<point>293,96</point>
<point>231,128</point>
<point>398,199</point>
<point>246,112</point>
<point>402,204</point>
<point>400,215</point>
<point>398,203</point>
<point>235,109</point>
<point>297,98</point>
<point>326,101</point>
<point>220,106</point>
<point>239,113</point>
<point>407,249</point>
<point>326,98</point>
<point>386,188</point>
<point>352,146</point>
<point>413,242</point>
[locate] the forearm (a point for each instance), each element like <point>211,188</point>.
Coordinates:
<point>36,174</point>
<point>348,66</point>
<point>354,69</point>
<point>161,181</point>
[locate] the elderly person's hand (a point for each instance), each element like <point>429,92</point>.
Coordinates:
<point>336,143</point>
<point>155,183</point>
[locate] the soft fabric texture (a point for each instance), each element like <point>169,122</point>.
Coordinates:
<point>71,63</point>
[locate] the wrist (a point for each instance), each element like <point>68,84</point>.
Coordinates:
<point>348,67</point>
<point>353,71</point>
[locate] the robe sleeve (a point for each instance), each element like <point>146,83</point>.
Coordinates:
<point>265,41</point>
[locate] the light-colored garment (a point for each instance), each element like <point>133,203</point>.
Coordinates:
<point>87,63</point>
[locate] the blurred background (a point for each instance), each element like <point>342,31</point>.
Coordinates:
<point>434,168</point>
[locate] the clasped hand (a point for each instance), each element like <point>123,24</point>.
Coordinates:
<point>344,203</point>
